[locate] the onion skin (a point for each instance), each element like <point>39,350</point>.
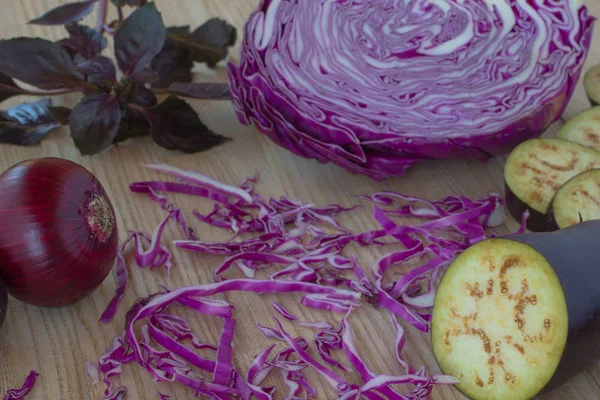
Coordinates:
<point>3,303</point>
<point>59,238</point>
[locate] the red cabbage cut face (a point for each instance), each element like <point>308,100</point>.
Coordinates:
<point>377,85</point>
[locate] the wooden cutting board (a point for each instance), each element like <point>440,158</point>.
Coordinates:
<point>58,342</point>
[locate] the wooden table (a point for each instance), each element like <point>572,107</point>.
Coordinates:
<point>58,342</point>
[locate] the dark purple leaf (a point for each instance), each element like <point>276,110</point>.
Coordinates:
<point>201,90</point>
<point>174,62</point>
<point>175,125</point>
<point>38,62</point>
<point>8,87</point>
<point>178,30</point>
<point>61,114</point>
<point>139,38</point>
<point>133,124</point>
<point>100,71</point>
<point>29,123</point>
<point>83,40</point>
<point>141,96</point>
<point>132,3</point>
<point>147,75</point>
<point>210,42</point>
<point>65,13</point>
<point>94,122</point>
<point>129,92</point>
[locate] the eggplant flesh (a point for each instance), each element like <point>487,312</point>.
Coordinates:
<point>534,172</point>
<point>499,321</point>
<point>577,200</point>
<point>3,303</point>
<point>519,316</point>
<point>591,84</point>
<point>583,128</point>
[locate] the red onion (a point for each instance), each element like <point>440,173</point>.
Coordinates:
<point>58,239</point>
<point>3,303</point>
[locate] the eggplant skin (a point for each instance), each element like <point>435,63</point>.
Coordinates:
<point>573,253</point>
<point>3,303</point>
<point>537,222</point>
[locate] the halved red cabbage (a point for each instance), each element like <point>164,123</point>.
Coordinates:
<point>375,86</point>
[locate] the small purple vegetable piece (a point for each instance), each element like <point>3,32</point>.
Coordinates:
<point>19,394</point>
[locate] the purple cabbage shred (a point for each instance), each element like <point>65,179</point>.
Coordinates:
<point>284,246</point>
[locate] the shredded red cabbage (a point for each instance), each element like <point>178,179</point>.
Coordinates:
<point>19,394</point>
<point>284,313</point>
<point>300,246</point>
<point>93,372</point>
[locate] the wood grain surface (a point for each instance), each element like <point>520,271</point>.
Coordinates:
<point>58,342</point>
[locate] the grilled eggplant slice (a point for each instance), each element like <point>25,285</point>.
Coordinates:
<point>591,84</point>
<point>577,200</point>
<point>534,172</point>
<point>583,128</point>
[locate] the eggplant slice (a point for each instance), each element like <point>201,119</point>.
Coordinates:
<point>534,172</point>
<point>583,128</point>
<point>505,307</point>
<point>577,200</point>
<point>500,321</point>
<point>591,83</point>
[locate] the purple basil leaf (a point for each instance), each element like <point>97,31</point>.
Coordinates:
<point>146,75</point>
<point>174,62</point>
<point>201,90</point>
<point>178,30</point>
<point>139,38</point>
<point>94,122</point>
<point>129,92</point>
<point>38,62</point>
<point>61,114</point>
<point>100,71</point>
<point>141,96</point>
<point>215,34</point>
<point>8,87</point>
<point>133,124</point>
<point>175,125</point>
<point>83,40</point>
<point>66,13</point>
<point>28,123</point>
<point>132,3</point>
